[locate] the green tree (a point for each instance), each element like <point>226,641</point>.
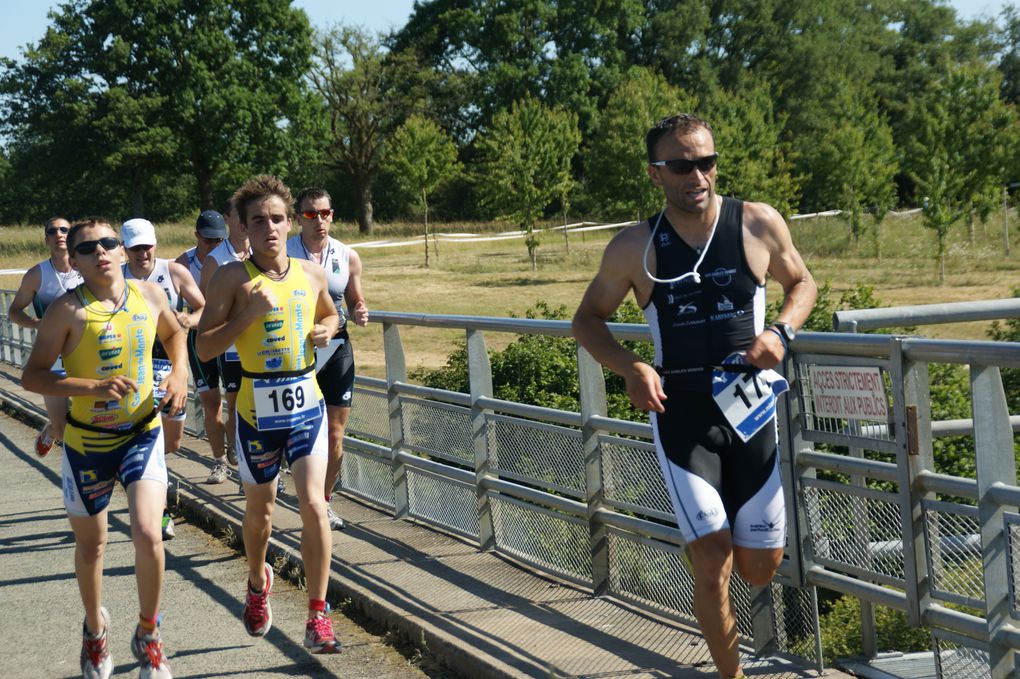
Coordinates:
<point>754,159</point>
<point>854,165</point>
<point>958,154</point>
<point>130,91</point>
<point>616,162</point>
<point>422,158</point>
<point>366,94</point>
<point>524,161</point>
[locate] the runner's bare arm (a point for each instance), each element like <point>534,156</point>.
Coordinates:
<point>787,267</point>
<point>174,340</point>
<point>23,298</point>
<point>353,294</point>
<point>223,319</point>
<point>188,289</point>
<point>51,340</point>
<point>615,278</point>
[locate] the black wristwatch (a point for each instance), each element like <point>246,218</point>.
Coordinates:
<point>786,330</point>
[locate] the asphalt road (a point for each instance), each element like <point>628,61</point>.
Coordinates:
<point>41,614</point>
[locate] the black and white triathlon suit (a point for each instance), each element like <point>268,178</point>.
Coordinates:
<point>205,373</point>
<point>715,480</point>
<point>229,362</point>
<point>334,369</point>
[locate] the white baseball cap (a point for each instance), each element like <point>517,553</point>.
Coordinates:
<point>138,231</point>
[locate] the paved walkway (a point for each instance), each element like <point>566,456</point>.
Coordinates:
<point>478,613</point>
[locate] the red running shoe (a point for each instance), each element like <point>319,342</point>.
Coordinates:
<point>319,637</point>
<point>258,614</point>
<point>43,441</point>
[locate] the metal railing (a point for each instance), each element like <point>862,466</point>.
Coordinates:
<point>580,496</point>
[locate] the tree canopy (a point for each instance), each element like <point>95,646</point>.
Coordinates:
<point>161,107</point>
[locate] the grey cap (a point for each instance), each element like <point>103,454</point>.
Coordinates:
<point>210,224</point>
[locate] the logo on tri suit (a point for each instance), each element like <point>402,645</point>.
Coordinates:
<point>664,239</point>
<point>721,277</point>
<point>765,526</point>
<point>724,303</point>
<point>707,514</point>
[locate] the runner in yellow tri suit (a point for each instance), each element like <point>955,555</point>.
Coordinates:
<point>105,330</point>
<point>275,310</point>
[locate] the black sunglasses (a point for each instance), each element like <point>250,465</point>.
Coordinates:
<point>687,165</point>
<point>87,247</point>
<point>54,230</point>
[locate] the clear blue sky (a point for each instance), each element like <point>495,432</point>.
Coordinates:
<point>25,21</point>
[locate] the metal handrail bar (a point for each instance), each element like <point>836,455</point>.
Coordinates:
<point>945,484</point>
<point>367,447</point>
<point>856,320</point>
<point>437,468</point>
<point>882,471</point>
<point>937,615</point>
<point>430,393</point>
<point>615,426</point>
<point>980,352</point>
<point>877,594</point>
<point>869,346</point>
<point>633,524</point>
<point>561,504</point>
<point>530,411</point>
<point>525,326</point>
<point>1005,495</point>
<point>371,382</point>
<point>963,427</point>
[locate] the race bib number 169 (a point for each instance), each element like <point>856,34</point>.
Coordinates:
<point>285,403</point>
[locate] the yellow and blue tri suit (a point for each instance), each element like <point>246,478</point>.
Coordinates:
<point>279,405</point>
<point>106,440</point>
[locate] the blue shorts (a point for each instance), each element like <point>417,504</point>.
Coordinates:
<point>89,477</point>
<point>259,453</point>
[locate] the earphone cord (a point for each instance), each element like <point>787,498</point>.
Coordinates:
<point>693,274</point>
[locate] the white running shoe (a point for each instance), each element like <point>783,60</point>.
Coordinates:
<point>218,474</point>
<point>336,522</point>
<point>96,662</point>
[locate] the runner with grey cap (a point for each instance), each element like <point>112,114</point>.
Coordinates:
<point>210,231</point>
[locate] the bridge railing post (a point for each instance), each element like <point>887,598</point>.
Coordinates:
<point>912,413</point>
<point>996,465</point>
<point>592,386</point>
<point>480,383</point>
<point>396,372</point>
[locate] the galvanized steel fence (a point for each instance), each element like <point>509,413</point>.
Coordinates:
<point>579,495</point>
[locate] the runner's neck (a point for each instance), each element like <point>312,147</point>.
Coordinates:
<point>61,263</point>
<point>238,244</point>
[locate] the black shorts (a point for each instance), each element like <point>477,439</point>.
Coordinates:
<point>716,480</point>
<point>205,373</point>
<point>230,373</point>
<point>336,378</point>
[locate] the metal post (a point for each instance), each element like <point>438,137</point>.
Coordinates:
<point>592,385</point>
<point>480,379</point>
<point>790,420</point>
<point>993,447</point>
<point>916,459</point>
<point>396,371</point>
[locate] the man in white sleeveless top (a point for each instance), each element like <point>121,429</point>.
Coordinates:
<point>43,283</point>
<point>139,238</point>
<point>335,363</point>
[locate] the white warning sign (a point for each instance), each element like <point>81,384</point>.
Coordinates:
<point>853,393</point>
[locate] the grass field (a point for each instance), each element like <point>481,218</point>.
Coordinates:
<point>494,278</point>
